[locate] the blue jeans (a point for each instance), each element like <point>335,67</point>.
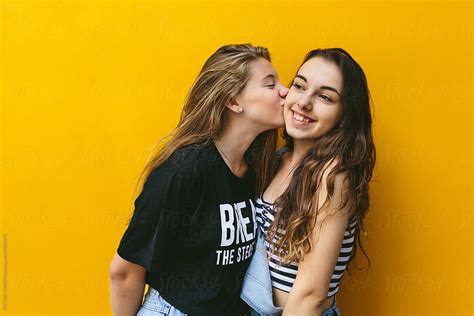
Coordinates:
<point>155,305</point>
<point>333,310</point>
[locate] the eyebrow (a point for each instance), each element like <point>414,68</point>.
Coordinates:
<point>322,87</point>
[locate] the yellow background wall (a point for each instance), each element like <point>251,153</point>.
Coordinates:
<point>89,86</point>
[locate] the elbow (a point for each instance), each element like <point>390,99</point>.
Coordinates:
<point>305,303</point>
<point>117,274</point>
<point>125,278</point>
<point>315,299</point>
<point>320,304</point>
<point>314,295</point>
<point>121,270</point>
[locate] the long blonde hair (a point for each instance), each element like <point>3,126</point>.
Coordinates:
<point>223,76</point>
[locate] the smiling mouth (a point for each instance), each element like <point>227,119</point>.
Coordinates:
<point>301,118</point>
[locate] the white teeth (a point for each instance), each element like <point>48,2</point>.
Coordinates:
<point>300,118</point>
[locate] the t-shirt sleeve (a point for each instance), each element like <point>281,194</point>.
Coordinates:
<point>167,193</point>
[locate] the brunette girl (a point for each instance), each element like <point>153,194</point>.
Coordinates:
<point>312,212</point>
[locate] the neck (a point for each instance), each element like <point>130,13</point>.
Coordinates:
<point>300,149</point>
<point>234,142</point>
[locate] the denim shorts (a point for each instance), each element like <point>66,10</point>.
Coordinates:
<point>333,310</point>
<point>155,305</point>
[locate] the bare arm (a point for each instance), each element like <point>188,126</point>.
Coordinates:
<point>315,270</point>
<point>127,284</point>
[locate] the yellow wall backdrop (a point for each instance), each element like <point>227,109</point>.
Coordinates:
<point>88,87</point>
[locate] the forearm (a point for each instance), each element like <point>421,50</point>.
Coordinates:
<point>126,294</point>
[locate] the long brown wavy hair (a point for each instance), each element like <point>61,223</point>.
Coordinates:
<point>348,148</point>
<point>223,76</point>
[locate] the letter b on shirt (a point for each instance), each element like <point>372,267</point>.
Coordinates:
<point>227,223</point>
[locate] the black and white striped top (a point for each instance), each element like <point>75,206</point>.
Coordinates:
<point>283,277</point>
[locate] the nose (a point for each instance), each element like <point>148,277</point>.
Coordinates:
<point>283,91</point>
<point>305,104</point>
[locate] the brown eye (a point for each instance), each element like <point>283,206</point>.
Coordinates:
<point>325,97</point>
<point>297,86</point>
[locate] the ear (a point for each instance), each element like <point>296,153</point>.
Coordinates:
<point>233,105</point>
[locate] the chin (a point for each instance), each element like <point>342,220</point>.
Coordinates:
<point>297,134</point>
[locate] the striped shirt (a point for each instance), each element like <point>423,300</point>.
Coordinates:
<point>283,277</point>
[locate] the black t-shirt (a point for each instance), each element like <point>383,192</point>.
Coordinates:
<point>193,229</point>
